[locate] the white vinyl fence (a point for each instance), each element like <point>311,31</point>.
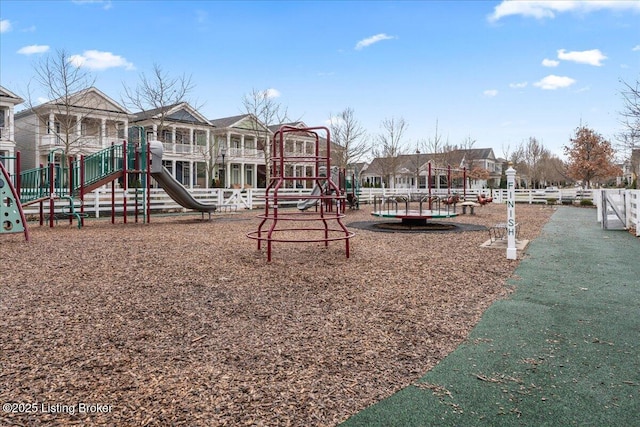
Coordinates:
<point>98,203</point>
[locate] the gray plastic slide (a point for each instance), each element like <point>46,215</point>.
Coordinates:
<point>305,204</point>
<point>171,186</point>
<point>177,192</point>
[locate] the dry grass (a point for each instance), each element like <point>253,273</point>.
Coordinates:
<point>182,322</point>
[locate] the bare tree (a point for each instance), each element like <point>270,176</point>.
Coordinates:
<point>262,105</point>
<point>390,146</point>
<point>529,159</point>
<point>435,145</point>
<point>65,86</point>
<point>160,92</point>
<point>631,113</point>
<point>349,135</point>
<point>629,139</point>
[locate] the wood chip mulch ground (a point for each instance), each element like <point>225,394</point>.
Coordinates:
<point>183,322</point>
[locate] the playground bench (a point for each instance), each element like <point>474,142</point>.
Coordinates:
<point>499,231</point>
<point>470,205</point>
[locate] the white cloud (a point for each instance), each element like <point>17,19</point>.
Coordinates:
<point>541,9</point>
<point>592,57</point>
<point>33,49</point>
<point>490,93</point>
<point>550,63</point>
<point>5,26</point>
<point>272,93</point>
<point>373,39</point>
<point>636,48</point>
<point>552,82</point>
<point>96,60</point>
<point>334,121</point>
<point>202,16</point>
<point>106,4</point>
<point>518,85</point>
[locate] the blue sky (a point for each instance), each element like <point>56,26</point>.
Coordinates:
<point>497,72</point>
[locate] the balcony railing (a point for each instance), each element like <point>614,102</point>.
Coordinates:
<point>94,142</point>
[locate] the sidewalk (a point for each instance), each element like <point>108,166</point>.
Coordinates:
<point>563,350</point>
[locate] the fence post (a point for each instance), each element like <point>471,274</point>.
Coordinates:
<point>511,213</point>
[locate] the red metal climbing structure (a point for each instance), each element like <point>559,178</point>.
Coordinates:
<point>316,219</point>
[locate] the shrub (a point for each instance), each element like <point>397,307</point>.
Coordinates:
<point>551,201</point>
<point>586,202</point>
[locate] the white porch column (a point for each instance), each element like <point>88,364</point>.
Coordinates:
<point>191,165</point>
<point>78,125</point>
<point>11,124</point>
<point>51,126</point>
<point>241,145</point>
<point>242,173</point>
<point>173,139</point>
<point>103,133</point>
<point>155,131</point>
<point>125,134</point>
<point>191,141</point>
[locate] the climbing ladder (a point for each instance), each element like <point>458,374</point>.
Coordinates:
<point>11,214</point>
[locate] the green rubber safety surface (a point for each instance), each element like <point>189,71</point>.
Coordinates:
<point>562,350</point>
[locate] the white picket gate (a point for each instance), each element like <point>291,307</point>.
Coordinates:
<point>618,209</point>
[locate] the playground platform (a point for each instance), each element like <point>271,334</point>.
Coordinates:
<point>563,349</point>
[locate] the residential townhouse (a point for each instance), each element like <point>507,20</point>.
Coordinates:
<point>226,152</point>
<point>8,102</point>
<point>239,147</point>
<point>411,171</point>
<point>186,138</point>
<point>86,122</point>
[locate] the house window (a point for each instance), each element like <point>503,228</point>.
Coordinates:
<point>56,126</point>
<point>169,165</point>
<point>235,174</point>
<point>249,174</point>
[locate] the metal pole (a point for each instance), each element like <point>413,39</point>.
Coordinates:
<point>429,185</point>
<point>125,179</point>
<point>82,190</point>
<point>464,184</point>
<point>51,194</point>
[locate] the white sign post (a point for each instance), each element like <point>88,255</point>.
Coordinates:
<point>511,213</point>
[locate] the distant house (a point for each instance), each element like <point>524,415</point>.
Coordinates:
<point>86,122</point>
<point>186,138</point>
<point>8,102</point>
<point>631,168</point>
<point>411,171</point>
<point>242,139</point>
<point>482,159</point>
<point>302,145</point>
